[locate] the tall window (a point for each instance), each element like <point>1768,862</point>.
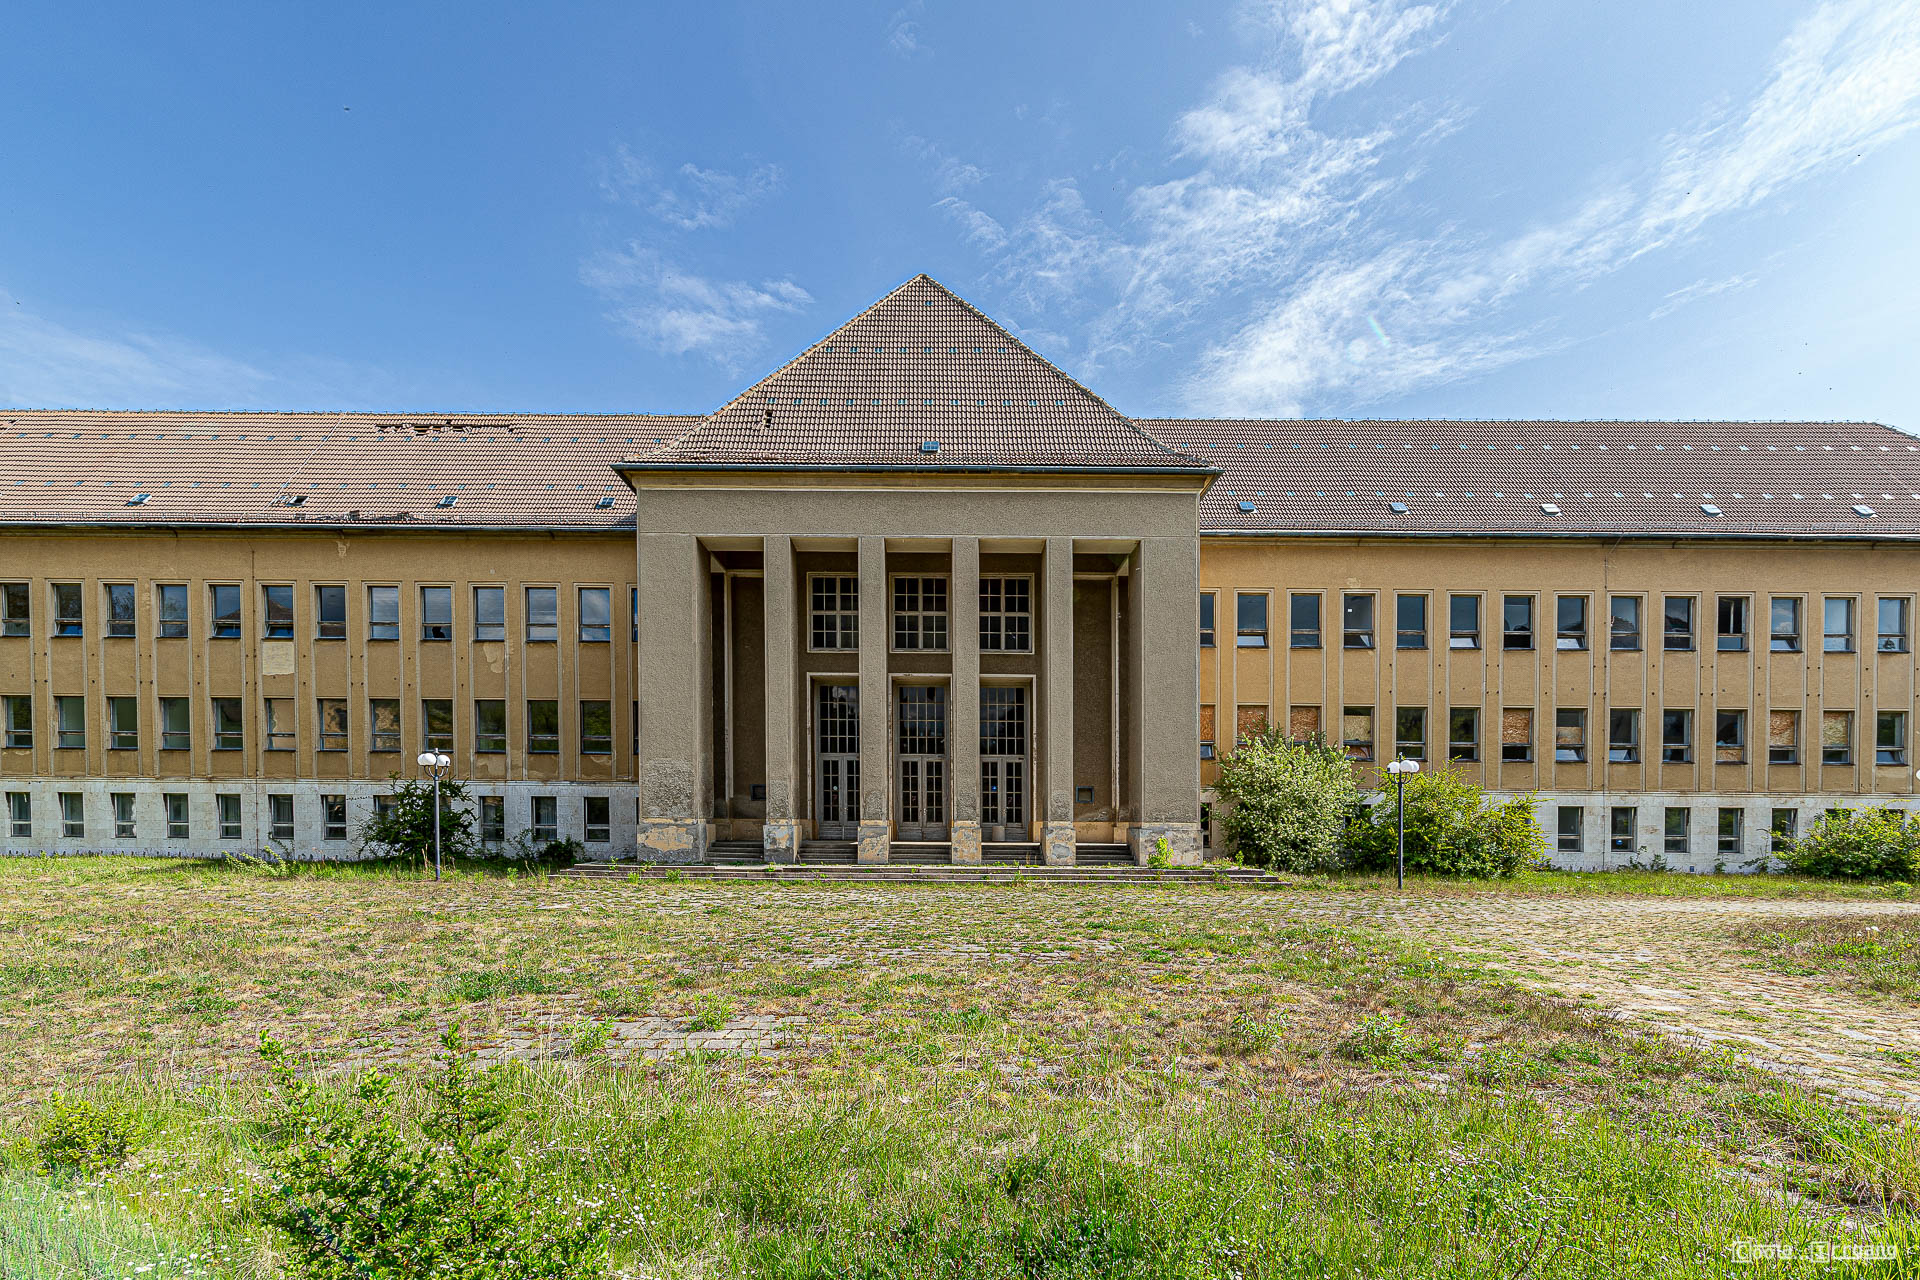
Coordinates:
<point>1463,622</point>
<point>1207,599</point>
<point>1570,623</point>
<point>596,615</point>
<point>383,613</point>
<point>330,608</point>
<point>493,820</point>
<point>1623,736</point>
<point>70,721</point>
<point>1250,620</point>
<point>123,724</point>
<point>1572,828</point>
<point>281,735</point>
<point>1679,832</point>
<point>920,614</point>
<point>280,818</point>
<point>1733,624</point>
<point>1783,737</point>
<point>1732,832</point>
<point>1410,622</point>
<point>1836,737</point>
<point>333,817</point>
<point>1303,620</point>
<point>543,614</point>
<point>1463,734</point>
<point>1516,627</point>
<point>1730,737</point>
<point>1516,734</point>
<point>1894,611</point>
<point>1679,624</point>
<point>1625,623</point>
<point>176,724</point>
<point>73,815</point>
<point>1356,620</point>
<point>1676,737</point>
<point>598,812</point>
<point>436,613</point>
<point>68,612</point>
<point>1784,629</point>
<point>16,611</point>
<point>229,725</point>
<point>19,708</point>
<point>1783,826</point>
<point>1839,615</point>
<point>123,815</point>
<point>278,603</point>
<point>543,726</point>
<point>546,819</point>
<point>490,613</point>
<point>1356,732</point>
<point>333,724</point>
<point>836,611</point>
<point>1410,733</point>
<point>1890,737</point>
<point>1208,727</point>
<point>19,815</point>
<point>120,610</point>
<point>383,715</point>
<point>1620,822</point>
<point>436,715</point>
<point>1569,735</point>
<point>596,728</point>
<point>489,725</point>
<point>179,823</point>
<point>225,599</point>
<point>1006,616</point>
<point>172,608</point>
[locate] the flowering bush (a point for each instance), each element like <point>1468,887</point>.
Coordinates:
<point>1452,830</point>
<point>1287,801</point>
<point>364,1196</point>
<point>1858,844</point>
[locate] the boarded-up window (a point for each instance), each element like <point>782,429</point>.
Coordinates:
<point>1356,732</point>
<point>1249,722</point>
<point>1516,733</point>
<point>1206,722</point>
<point>1303,723</point>
<point>1783,737</point>
<point>1836,737</point>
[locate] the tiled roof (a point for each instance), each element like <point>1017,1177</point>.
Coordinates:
<point>918,381</point>
<point>379,470</point>
<point>1766,479</point>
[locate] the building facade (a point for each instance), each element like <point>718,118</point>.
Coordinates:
<point>918,595</point>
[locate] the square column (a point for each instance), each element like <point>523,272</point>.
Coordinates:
<point>876,754</point>
<point>1164,596</point>
<point>963,701</point>
<point>1056,694</point>
<point>780,829</point>
<point>674,680</point>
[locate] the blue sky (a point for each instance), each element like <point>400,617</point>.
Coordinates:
<point>1326,207</point>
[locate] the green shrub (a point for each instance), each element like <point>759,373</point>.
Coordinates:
<point>359,1192</point>
<point>404,827</point>
<point>83,1137</point>
<point>1380,1041</point>
<point>1286,802</point>
<point>1453,829</point>
<point>1858,844</point>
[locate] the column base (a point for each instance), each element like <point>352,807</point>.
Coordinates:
<point>1183,843</point>
<point>966,843</point>
<point>674,840</point>
<point>874,844</point>
<point>1057,843</point>
<point>781,841</point>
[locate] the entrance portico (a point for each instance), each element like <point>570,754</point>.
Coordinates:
<point>915,583</point>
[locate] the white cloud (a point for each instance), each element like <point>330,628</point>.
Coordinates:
<point>690,198</point>
<point>44,364</point>
<point>903,30</point>
<point>675,311</point>
<point>1699,289</point>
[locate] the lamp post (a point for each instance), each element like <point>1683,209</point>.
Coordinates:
<point>436,763</point>
<point>1400,769</point>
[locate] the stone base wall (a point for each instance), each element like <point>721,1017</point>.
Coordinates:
<point>1057,843</point>
<point>874,843</point>
<point>966,843</point>
<point>1184,848</point>
<point>781,841</point>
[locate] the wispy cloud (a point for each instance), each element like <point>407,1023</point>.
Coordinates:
<point>690,197</point>
<point>678,312</point>
<point>1699,289</point>
<point>44,364</point>
<point>903,29</point>
<point>1278,240</point>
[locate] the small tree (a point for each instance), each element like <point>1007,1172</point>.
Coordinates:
<point>404,829</point>
<point>1453,829</point>
<point>1287,801</point>
<point>1858,844</point>
<point>360,1193</point>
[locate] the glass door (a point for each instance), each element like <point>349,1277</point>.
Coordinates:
<point>836,765</point>
<point>921,763</point>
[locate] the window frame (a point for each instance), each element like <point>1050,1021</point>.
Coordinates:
<point>1574,841</point>
<point>600,632</point>
<point>179,814</point>
<point>596,744</point>
<point>1625,750</point>
<point>166,628</point>
<point>1312,636</point>
<point>1832,641</point>
<point>1896,752</point>
<point>1359,749</point>
<point>1678,843</point>
<point>1570,748</point>
<point>1787,753</point>
<point>1897,641</point>
<point>383,630</point>
<point>1518,639</point>
<point>274,596</point>
<point>1730,734</point>
<point>1683,752</point>
<point>486,743</point>
<point>1792,638</point>
<point>1463,750</point>
<point>1357,620</point>
<point>18,710</point>
<point>333,827</point>
<point>1209,610</point>
<point>119,628</point>
<point>68,626</point>
<point>1617,841</point>
<point>1678,639</point>
<point>548,808</point>
<point>1572,635</point>
<point>485,632</point>
<point>1518,752</point>
<point>16,609</point>
<point>842,621</point>
<point>330,598</point>
<point>1401,742</point>
<point>436,598</point>
<point>921,622</point>
<point>123,738</point>
<point>235,738</point>
<point>445,740</point>
<point>66,738</point>
<point>1842,753</point>
<point>383,740</point>
<point>1003,615</point>
<point>331,739</point>
<point>1633,634</point>
<point>542,742</point>
<point>279,828</point>
<point>1455,633</point>
<point>1736,640</point>
<point>541,632</point>
<point>176,739</point>
<point>281,737</point>
<point>596,828</point>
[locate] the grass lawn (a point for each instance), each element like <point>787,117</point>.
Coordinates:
<point>980,1081</point>
<point>1871,952</point>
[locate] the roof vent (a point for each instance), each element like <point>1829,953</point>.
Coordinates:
<point>1710,509</point>
<point>1247,507</point>
<point>1398,508</point>
<point>929,446</point>
<point>1550,508</point>
<point>297,500</point>
<point>1862,510</point>
<point>448,501</point>
<point>603,503</point>
<point>138,499</point>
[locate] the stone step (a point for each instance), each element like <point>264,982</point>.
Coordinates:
<point>908,874</point>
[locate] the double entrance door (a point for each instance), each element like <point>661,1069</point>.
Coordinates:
<point>920,762</point>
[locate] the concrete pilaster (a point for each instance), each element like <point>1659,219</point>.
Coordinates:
<point>1164,593</point>
<point>876,747</point>
<point>780,833</point>
<point>963,700</point>
<point>673,683</point>
<point>1056,693</point>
